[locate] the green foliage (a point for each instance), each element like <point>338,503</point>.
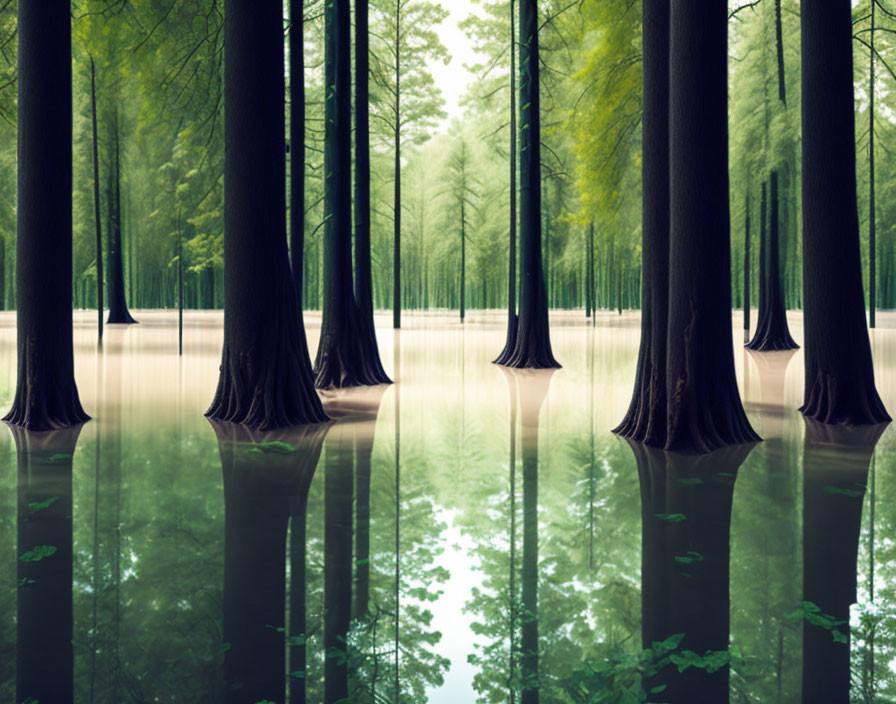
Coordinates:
<point>38,553</point>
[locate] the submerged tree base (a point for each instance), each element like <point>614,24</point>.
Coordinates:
<point>349,359</point>
<point>772,335</point>
<point>43,402</point>
<point>532,349</point>
<point>124,318</point>
<point>830,402</point>
<point>645,421</point>
<point>266,387</point>
<point>513,323</point>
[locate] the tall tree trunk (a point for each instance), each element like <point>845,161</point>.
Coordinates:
<point>45,657</point>
<point>747,267</point>
<point>463,258</point>
<point>704,407</point>
<point>645,420</point>
<point>396,249</point>
<point>839,384</point>
<point>872,208</point>
<point>46,395</point>
<point>512,279</point>
<point>342,359</point>
<point>772,333</point>
<point>533,343</point>
<point>366,332</point>
<point>266,380</point>
<point>297,144</point>
<point>98,221</point>
<point>779,46</point>
<point>118,307</point>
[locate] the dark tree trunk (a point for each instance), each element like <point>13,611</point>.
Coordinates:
<point>835,470</point>
<point>533,342</point>
<point>297,144</point>
<point>763,245</point>
<point>337,564</point>
<point>589,276</point>
<point>463,259</point>
<point>872,193</point>
<point>266,380</point>
<point>646,418</point>
<point>704,407</point>
<point>512,279</point>
<point>3,273</point>
<point>366,331</point>
<point>779,46</point>
<point>45,657</point>
<point>747,268</point>
<point>396,246</point>
<point>684,568</point>
<point>772,332</point>
<point>46,396</point>
<point>98,221</point>
<point>839,371</point>
<point>118,307</point>
<point>342,358</point>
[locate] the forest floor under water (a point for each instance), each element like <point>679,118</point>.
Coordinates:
<point>811,528</point>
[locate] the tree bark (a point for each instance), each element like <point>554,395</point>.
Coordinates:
<point>772,333</point>
<point>704,407</point>
<point>747,267</point>
<point>839,384</point>
<point>266,380</point>
<point>645,420</point>
<point>98,221</point>
<point>118,307</point>
<point>366,331</point>
<point>342,359</point>
<point>46,395</point>
<point>533,343</point>
<point>512,279</point>
<point>396,249</point>
<point>872,194</point>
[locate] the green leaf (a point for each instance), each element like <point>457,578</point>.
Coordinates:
<point>40,505</point>
<point>296,641</point>
<point>690,558</point>
<point>671,517</point>
<point>38,553</point>
<point>279,448</point>
<point>851,493</point>
<point>298,674</point>
<point>657,690</point>
<point>690,481</point>
<point>60,457</point>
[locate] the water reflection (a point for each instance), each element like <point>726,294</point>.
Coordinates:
<point>686,521</point>
<point>45,669</point>
<point>836,461</point>
<point>266,481</point>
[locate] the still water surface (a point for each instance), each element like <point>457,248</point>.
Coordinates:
<point>479,534</point>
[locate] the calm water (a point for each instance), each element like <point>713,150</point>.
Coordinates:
<point>487,523</point>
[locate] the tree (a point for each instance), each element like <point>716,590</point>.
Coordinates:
<point>772,332</point>
<point>344,358</point>
<point>411,99</point>
<point>366,331</point>
<point>533,344</point>
<point>118,307</point>
<point>266,380</point>
<point>461,187</point>
<point>704,410</point>
<point>46,395</point>
<point>645,420</point>
<point>839,384</point>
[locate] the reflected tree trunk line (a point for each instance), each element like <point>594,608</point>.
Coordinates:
<point>836,462</point>
<point>44,615</point>
<point>686,516</point>
<point>266,475</point>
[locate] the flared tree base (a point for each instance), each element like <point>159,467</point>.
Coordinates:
<point>121,318</point>
<point>349,356</point>
<point>266,387</point>
<point>830,401</point>
<point>772,335</point>
<point>510,342</point>
<point>645,421</point>
<point>532,349</point>
<point>46,399</point>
